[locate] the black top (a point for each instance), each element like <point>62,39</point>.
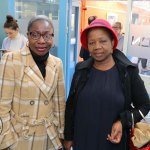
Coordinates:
<point>40,61</point>
<point>98,106</point>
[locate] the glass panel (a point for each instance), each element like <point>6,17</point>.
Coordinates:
<point>72,49</point>
<point>73,23</point>
<point>139,40</point>
<point>26,9</point>
<point>73,34</point>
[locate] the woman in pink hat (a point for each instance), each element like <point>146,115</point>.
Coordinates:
<point>98,111</point>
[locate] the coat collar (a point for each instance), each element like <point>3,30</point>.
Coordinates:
<point>32,70</point>
<point>28,60</point>
<point>122,59</point>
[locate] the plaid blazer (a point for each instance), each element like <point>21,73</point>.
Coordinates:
<point>31,108</point>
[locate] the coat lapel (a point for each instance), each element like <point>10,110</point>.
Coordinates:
<point>51,75</point>
<point>32,70</point>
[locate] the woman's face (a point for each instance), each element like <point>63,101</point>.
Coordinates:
<point>116,29</point>
<point>40,37</point>
<point>100,44</point>
<point>11,33</point>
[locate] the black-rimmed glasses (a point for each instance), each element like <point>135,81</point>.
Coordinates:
<point>46,36</point>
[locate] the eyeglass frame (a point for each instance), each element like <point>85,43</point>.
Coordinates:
<point>51,36</point>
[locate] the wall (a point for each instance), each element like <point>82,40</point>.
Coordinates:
<point>101,9</point>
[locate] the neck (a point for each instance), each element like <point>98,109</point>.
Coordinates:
<point>104,65</point>
<point>39,59</point>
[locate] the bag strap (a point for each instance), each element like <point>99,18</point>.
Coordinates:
<point>132,119</point>
<point>141,116</point>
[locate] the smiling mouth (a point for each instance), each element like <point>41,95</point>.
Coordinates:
<point>41,48</point>
<point>98,54</point>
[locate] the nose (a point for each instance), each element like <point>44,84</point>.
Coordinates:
<point>41,39</point>
<point>98,45</point>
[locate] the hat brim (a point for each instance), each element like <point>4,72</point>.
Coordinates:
<point>83,37</point>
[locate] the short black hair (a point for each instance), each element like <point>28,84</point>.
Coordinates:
<point>91,18</point>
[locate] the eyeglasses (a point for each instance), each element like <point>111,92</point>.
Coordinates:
<point>46,36</point>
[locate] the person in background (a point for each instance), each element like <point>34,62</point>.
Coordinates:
<point>84,53</point>
<point>32,97</point>
<point>117,27</point>
<point>15,40</point>
<point>98,109</point>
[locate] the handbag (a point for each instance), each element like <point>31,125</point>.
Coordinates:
<point>140,134</point>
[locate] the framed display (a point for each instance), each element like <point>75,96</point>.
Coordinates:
<point>112,18</point>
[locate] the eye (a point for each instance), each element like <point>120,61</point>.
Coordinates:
<point>47,36</point>
<point>103,41</point>
<point>34,35</point>
<point>91,43</point>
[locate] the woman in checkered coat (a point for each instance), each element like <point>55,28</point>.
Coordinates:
<point>32,95</point>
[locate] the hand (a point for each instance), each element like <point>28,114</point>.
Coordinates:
<point>116,133</point>
<point>67,144</point>
<point>61,140</point>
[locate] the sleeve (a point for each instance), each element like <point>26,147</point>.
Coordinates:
<point>60,101</point>
<point>69,113</point>
<point>7,134</point>
<point>139,98</point>
<point>3,44</point>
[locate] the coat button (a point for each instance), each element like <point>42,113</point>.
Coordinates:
<point>31,102</point>
<point>46,102</point>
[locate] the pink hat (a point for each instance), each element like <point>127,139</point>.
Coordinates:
<point>97,23</point>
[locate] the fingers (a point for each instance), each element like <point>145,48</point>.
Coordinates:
<point>115,137</point>
<point>116,133</point>
<point>67,145</point>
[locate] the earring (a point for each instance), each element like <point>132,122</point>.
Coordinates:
<point>27,43</point>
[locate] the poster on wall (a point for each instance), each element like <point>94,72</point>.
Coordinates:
<point>139,47</point>
<point>112,18</point>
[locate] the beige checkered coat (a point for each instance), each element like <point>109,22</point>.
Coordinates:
<point>31,108</point>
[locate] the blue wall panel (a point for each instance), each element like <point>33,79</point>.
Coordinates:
<point>62,53</point>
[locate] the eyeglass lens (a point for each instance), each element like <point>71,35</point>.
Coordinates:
<point>46,36</point>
